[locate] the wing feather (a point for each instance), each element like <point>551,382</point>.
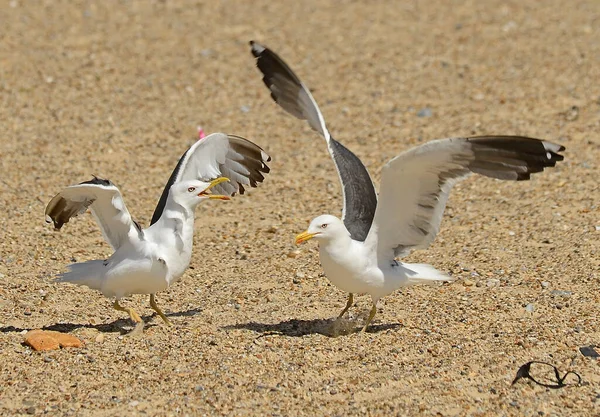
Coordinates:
<point>104,200</point>
<point>416,184</point>
<point>360,198</point>
<point>219,155</point>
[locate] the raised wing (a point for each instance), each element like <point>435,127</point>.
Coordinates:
<point>360,199</point>
<point>219,155</point>
<point>416,184</point>
<point>104,199</point>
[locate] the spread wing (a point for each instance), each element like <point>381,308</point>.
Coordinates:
<point>219,155</point>
<point>104,199</point>
<point>360,199</point>
<point>416,184</point>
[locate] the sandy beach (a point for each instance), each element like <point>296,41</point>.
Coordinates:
<point>118,88</point>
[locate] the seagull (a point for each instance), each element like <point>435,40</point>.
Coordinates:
<point>149,260</point>
<point>359,252</point>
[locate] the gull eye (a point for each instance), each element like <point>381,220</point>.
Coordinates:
<point>191,189</point>
<point>324,226</point>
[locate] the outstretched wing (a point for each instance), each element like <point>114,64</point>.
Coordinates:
<point>360,199</point>
<point>104,199</point>
<point>416,184</point>
<point>219,155</point>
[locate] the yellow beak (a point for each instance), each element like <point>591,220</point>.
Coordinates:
<point>217,196</point>
<point>303,237</point>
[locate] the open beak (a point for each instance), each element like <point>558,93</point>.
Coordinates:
<point>217,181</point>
<point>303,237</point>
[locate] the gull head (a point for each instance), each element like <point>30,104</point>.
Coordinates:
<point>191,193</point>
<point>323,228</point>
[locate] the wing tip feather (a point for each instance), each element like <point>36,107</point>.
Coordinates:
<point>256,48</point>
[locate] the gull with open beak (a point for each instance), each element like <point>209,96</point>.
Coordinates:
<point>149,260</point>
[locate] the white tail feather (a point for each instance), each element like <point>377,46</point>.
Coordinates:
<point>90,274</point>
<point>424,273</point>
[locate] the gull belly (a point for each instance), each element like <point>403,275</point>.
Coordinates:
<point>350,269</point>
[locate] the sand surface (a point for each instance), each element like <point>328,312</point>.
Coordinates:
<point>117,89</point>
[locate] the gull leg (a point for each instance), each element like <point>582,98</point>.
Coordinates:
<point>158,310</point>
<point>371,315</point>
<point>139,323</point>
<point>348,305</point>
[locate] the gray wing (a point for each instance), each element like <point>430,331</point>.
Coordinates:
<point>219,155</point>
<point>416,184</point>
<point>104,200</point>
<point>360,198</point>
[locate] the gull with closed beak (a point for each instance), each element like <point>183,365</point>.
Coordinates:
<point>359,252</point>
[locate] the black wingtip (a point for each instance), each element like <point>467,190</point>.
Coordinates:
<point>256,48</point>
<point>98,181</point>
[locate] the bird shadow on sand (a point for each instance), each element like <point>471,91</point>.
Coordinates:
<point>299,328</point>
<point>122,326</point>
<point>187,313</point>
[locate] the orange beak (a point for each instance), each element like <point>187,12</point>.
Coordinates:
<point>303,237</point>
<point>215,196</point>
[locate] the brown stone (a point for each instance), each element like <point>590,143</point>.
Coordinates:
<point>41,340</point>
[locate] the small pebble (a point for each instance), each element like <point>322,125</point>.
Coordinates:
<point>530,308</point>
<point>425,112</point>
<point>492,282</point>
<point>589,351</point>
<point>100,338</point>
<point>300,275</point>
<point>245,109</point>
<point>545,284</point>
<point>572,114</point>
<point>468,283</point>
<point>511,25</point>
<point>561,293</point>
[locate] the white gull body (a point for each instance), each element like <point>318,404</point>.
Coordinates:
<point>359,252</point>
<point>146,261</point>
<point>153,262</point>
